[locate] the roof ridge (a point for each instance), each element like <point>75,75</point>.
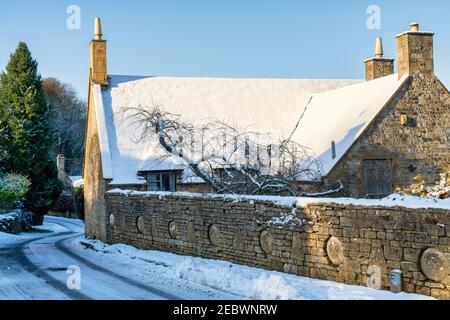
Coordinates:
<point>232,78</point>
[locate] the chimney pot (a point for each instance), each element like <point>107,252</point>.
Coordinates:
<point>379,48</point>
<point>414,27</point>
<point>98,29</point>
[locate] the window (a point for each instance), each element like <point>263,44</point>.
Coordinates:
<point>164,181</point>
<point>378,178</point>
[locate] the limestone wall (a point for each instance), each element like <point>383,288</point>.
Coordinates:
<point>342,243</point>
<point>378,68</point>
<point>94,185</point>
<point>419,147</point>
<point>415,54</point>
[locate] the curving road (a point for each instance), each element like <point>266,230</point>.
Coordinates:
<point>37,269</point>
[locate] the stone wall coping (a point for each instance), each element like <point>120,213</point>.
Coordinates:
<point>379,59</point>
<point>416,33</point>
<point>293,202</point>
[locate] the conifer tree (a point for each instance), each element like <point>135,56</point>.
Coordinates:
<point>25,125</point>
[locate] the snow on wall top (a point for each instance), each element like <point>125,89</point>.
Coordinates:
<point>394,200</point>
<point>257,104</point>
<point>342,115</point>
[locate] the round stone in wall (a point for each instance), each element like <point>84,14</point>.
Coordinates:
<point>173,230</point>
<point>266,240</point>
<point>112,220</point>
<point>214,235</point>
<point>140,224</point>
<point>335,251</point>
<point>434,265</point>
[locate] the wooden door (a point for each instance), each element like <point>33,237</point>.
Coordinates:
<point>378,178</point>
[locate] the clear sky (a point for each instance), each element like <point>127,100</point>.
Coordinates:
<point>210,38</point>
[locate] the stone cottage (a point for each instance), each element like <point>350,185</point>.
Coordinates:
<point>373,135</point>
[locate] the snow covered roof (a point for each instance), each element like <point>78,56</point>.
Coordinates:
<point>77,181</point>
<point>262,105</point>
<point>342,115</point>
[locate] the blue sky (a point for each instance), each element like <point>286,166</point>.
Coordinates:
<point>268,39</point>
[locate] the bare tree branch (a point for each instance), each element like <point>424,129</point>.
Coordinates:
<point>230,159</point>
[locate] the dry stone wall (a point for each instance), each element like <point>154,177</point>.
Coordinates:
<point>344,243</point>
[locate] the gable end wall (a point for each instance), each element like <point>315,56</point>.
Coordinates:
<point>94,184</point>
<point>424,143</point>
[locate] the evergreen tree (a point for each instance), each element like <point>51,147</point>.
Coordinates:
<point>25,123</point>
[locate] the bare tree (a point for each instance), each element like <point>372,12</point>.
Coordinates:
<point>231,159</point>
<point>67,121</point>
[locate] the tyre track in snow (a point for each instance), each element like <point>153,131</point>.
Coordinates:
<point>19,254</point>
<point>61,222</point>
<point>63,248</point>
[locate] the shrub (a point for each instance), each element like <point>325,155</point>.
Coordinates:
<point>441,190</point>
<point>13,188</point>
<point>16,221</point>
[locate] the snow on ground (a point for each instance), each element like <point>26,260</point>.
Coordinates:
<point>54,220</point>
<point>45,275</point>
<point>146,270</point>
<point>6,238</point>
<point>38,231</point>
<point>236,280</point>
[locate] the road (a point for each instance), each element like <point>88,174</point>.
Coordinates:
<point>37,269</point>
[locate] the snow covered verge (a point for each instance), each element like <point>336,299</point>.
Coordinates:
<point>395,200</point>
<point>241,281</point>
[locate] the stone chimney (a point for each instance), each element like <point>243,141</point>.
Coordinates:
<point>98,63</point>
<point>415,53</point>
<point>378,67</point>
<point>61,165</point>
